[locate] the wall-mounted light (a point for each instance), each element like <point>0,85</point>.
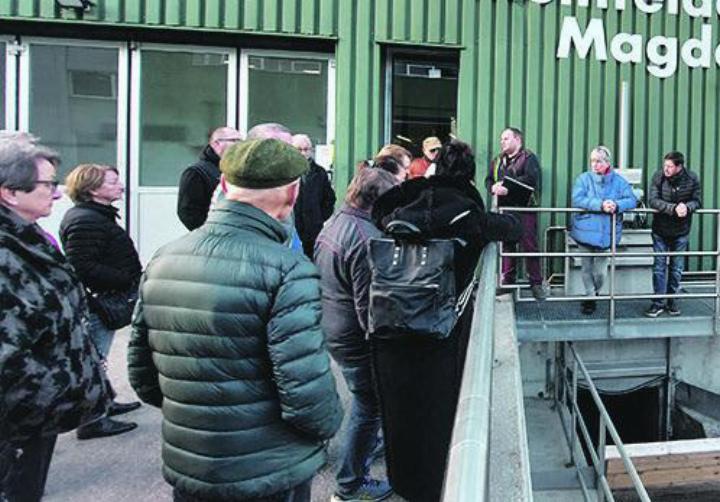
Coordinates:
<point>80,5</point>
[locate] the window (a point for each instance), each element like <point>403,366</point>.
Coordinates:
<point>422,98</point>
<point>64,109</point>
<point>292,91</point>
<point>183,98</point>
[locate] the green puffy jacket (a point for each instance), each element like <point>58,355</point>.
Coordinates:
<point>226,337</point>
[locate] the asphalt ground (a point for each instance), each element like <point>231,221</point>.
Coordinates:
<point>127,467</point>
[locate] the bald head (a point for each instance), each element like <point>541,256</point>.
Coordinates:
<point>270,130</point>
<point>224,137</point>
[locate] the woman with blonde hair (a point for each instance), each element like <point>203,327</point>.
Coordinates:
<point>106,261</point>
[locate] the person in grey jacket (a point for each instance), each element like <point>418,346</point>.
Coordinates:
<point>227,339</point>
<point>675,193</point>
<point>341,257</point>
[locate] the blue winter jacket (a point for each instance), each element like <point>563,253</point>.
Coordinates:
<point>589,192</point>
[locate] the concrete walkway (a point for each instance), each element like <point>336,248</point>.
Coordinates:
<point>127,467</point>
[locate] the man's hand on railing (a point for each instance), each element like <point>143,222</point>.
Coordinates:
<point>609,206</point>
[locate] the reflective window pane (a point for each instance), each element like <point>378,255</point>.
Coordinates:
<point>290,91</point>
<point>73,102</point>
<point>183,98</point>
<point>424,98</point>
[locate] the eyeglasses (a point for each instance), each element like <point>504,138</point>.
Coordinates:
<point>228,140</point>
<point>48,183</point>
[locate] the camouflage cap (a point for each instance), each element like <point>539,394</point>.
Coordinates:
<point>262,163</point>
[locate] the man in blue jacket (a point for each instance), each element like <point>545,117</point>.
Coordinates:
<point>227,339</point>
<point>602,192</point>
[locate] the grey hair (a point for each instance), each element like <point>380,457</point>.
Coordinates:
<point>7,135</point>
<point>297,138</point>
<point>268,130</point>
<point>19,155</point>
<point>603,152</point>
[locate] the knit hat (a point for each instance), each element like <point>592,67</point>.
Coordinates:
<point>262,163</point>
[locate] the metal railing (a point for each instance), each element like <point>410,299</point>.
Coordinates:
<point>596,453</point>
<point>467,474</point>
<point>612,254</point>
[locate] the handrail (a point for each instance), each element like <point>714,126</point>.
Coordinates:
<point>467,474</point>
<point>597,454</point>
<point>612,253</point>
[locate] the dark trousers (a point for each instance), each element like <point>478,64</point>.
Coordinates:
<point>28,472</point>
<point>299,493</point>
<point>528,244</point>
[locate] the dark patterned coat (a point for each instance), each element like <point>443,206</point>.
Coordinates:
<point>51,378</point>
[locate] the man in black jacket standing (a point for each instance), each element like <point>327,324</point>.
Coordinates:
<point>316,201</point>
<point>199,181</point>
<point>675,193</point>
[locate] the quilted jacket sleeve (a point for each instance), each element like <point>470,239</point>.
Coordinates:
<point>142,373</point>
<point>655,199</point>
<point>626,199</point>
<point>300,362</point>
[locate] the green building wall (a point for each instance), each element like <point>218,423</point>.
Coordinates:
<point>509,75</point>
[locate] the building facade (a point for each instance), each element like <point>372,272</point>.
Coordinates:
<point>139,83</point>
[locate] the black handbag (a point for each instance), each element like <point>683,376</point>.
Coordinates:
<point>115,308</point>
<point>412,286</point>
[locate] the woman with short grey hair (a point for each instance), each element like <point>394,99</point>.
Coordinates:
<point>601,192</point>
<point>51,379</point>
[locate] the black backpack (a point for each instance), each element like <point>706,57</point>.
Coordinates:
<point>412,284</point>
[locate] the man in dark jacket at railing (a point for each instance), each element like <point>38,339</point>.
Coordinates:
<point>675,194</point>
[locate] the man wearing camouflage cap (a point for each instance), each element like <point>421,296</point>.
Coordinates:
<point>227,339</point>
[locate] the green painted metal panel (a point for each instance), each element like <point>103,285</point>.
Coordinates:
<point>509,74</point>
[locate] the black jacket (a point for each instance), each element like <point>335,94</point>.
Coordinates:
<point>341,258</point>
<point>314,205</point>
<point>419,378</point>
<point>99,249</point>
<point>197,185</point>
<point>523,167</point>
<point>665,194</point>
<point>431,203</point>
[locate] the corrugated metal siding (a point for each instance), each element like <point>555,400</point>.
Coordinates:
<point>302,17</point>
<point>566,107</point>
<point>509,75</point>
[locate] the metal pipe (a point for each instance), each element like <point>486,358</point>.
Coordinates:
<point>628,254</point>
<point>601,454</point>
<point>624,133</point>
<point>579,210</point>
<point>716,327</point>
<point>644,296</point>
<point>467,474</point>
<point>573,412</point>
<point>629,466</point>
<point>613,251</point>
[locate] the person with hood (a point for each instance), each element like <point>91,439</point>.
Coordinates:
<point>419,378</point>
<point>602,192</point>
<point>199,181</point>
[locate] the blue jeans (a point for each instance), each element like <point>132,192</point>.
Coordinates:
<point>664,283</point>
<point>101,336</point>
<point>363,426</point>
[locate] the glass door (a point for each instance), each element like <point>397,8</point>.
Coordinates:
<point>292,88</point>
<point>420,97</point>
<point>179,96</point>
<point>73,97</point>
